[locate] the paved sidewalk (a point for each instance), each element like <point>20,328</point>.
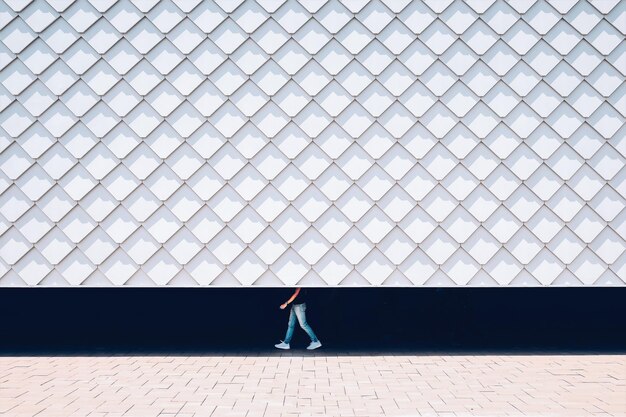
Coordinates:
<point>300,384</point>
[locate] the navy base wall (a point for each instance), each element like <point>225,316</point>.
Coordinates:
<point>345,319</point>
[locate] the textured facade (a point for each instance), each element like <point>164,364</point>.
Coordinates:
<point>392,142</point>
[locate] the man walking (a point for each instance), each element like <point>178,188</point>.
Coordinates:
<point>298,308</point>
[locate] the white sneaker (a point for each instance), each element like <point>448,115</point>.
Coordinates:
<point>314,345</point>
<point>282,345</point>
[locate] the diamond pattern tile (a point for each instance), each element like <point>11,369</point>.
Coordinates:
<point>232,143</point>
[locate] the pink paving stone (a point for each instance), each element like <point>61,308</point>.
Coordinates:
<point>334,385</point>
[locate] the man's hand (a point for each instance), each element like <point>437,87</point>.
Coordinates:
<point>283,306</point>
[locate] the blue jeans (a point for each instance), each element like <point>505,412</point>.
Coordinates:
<point>298,311</point>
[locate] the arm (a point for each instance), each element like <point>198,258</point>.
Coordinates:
<point>293,297</point>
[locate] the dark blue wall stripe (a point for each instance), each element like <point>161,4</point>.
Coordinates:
<point>345,319</point>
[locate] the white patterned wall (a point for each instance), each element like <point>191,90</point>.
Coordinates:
<point>324,143</point>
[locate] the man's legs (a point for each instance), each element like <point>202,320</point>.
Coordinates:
<point>300,313</point>
<point>290,325</point>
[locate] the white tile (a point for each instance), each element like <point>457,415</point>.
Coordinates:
<point>312,161</point>
<point>17,35</point>
<point>438,37</point>
<point>584,17</point>
<point>291,182</point>
<point>161,267</point>
<point>291,98</point>
<point>333,267</point>
<point>439,246</point>
<point>479,37</point>
<point>501,58</point>
<point>503,267</point>
<point>77,224</point>
<point>38,16</point>
<point>97,246</point>
<point>334,99</point>
<point>459,58</point>
<point>249,140</point>
<point>270,119</point>
<point>460,267</point>
<point>606,120</point>
<point>396,37</point>
<point>375,267</point>
<point>605,79</point>
<point>186,36</point>
<point>75,268</point>
<point>270,78</point>
<point>354,36</point>
<point>247,267</point>
<point>543,99</point>
<point>418,182</point>
<point>291,16</point>
<point>563,37</point>
<point>438,78</point>
<point>397,120</point>
<point>101,77</point>
<point>604,7</point>
<point>229,6</point>
<point>100,119</point>
<point>270,37</point>
<point>564,79</point>
<point>101,36</point>
<point>375,99</point>
<point>123,15</point>
<point>290,267</point>
<point>311,246</point>
<point>291,57</point>
<point>481,78</point>
<point>16,77</point>
<point>375,57</point>
<point>79,98</point>
<point>585,99</point>
<point>417,99</point>
<point>250,16</point>
<point>521,37</point>
<point>542,17</point>
<point>584,58</point>
<point>460,141</point>
<point>290,224</point>
<point>523,120</point>
<point>122,57</point>
<point>165,15</point>
<point>207,57</point>
<point>81,15</point>
<point>459,18</point>
<point>500,17</point>
<point>354,246</point>
<point>439,120</point>
<point>38,56</point>
<point>458,98</point>
<point>100,161</point>
<point>37,98</point>
<point>312,36</point>
<point>417,16</point>
<point>605,38</point>
<point>207,98</point>
<point>270,161</point>
<point>607,162</point>
<point>249,57</point>
<point>564,120</point>
<point>57,119</point>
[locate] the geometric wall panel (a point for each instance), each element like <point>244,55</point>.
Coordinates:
<point>322,143</point>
